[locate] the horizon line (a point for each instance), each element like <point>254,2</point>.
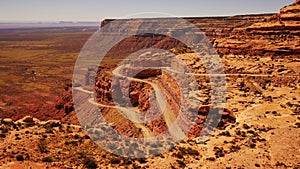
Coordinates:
<point>116,18</point>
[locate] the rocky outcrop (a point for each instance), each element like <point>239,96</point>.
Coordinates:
<point>286,22</point>
<point>65,108</point>
<point>227,117</point>
<point>141,73</point>
<point>277,35</point>
<point>173,95</point>
<point>291,12</point>
<point>135,43</point>
<point>262,35</point>
<point>213,27</point>
<point>139,94</point>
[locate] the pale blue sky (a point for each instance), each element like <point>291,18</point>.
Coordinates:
<point>96,10</point>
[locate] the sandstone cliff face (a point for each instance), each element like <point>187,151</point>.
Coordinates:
<point>266,34</point>
<point>286,22</point>
<point>173,95</point>
<point>65,108</point>
<point>215,28</point>
<point>277,35</point>
<point>291,12</point>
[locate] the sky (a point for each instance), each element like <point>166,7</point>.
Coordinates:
<point>97,10</point>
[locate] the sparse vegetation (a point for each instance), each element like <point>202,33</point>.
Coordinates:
<point>90,163</point>
<point>142,160</point>
<point>181,163</point>
<point>178,155</point>
<point>49,131</point>
<point>42,145</point>
<point>76,136</point>
<point>4,130</point>
<point>193,152</point>
<point>47,159</point>
<point>20,158</point>
<point>219,152</point>
<point>115,160</point>
<point>2,135</point>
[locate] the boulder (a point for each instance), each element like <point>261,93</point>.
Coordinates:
<point>28,119</point>
<point>7,121</point>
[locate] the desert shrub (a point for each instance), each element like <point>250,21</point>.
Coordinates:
<point>81,154</point>
<point>242,84</point>
<point>280,164</point>
<point>183,150</point>
<point>86,137</point>
<point>27,156</point>
<point>42,145</point>
<point>4,130</point>
<point>47,159</point>
<point>225,133</point>
<point>49,131</point>
<point>20,158</point>
<point>74,143</point>
<point>15,127</point>
<point>30,124</point>
<point>136,166</point>
<point>127,161</point>
<point>252,145</point>
<point>192,152</point>
<point>219,152</point>
<point>178,155</point>
<point>211,159</point>
<point>2,135</point>
<point>90,163</point>
<point>103,155</point>
<point>245,126</point>
<point>234,148</point>
<point>142,160</point>
<point>114,160</point>
<point>76,136</point>
<point>18,138</point>
<point>181,163</point>
<point>69,130</point>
